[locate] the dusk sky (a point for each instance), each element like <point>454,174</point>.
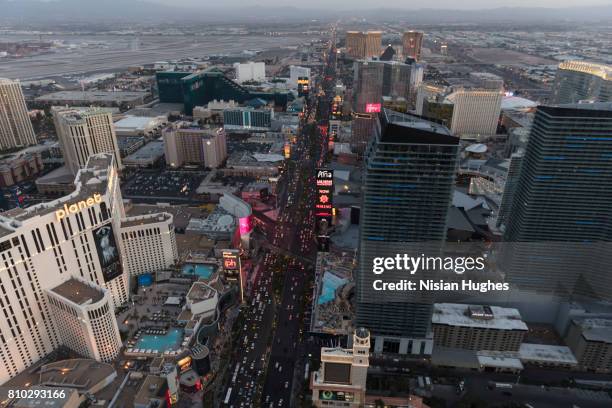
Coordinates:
<point>446,4</point>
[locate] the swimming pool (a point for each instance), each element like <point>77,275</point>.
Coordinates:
<point>331,282</point>
<point>200,270</point>
<point>169,341</point>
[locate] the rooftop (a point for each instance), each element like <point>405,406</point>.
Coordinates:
<point>78,292</point>
<point>93,179</point>
<point>152,388</point>
<point>200,291</point>
<point>547,353</point>
<point>492,317</point>
<point>151,151</point>
<point>81,374</point>
<point>93,96</point>
<point>601,70</point>
<point>145,219</point>
<point>411,129</point>
<point>596,329</point>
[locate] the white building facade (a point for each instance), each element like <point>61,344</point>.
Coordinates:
<point>84,316</point>
<point>148,243</point>
<point>251,71</point>
<point>44,245</point>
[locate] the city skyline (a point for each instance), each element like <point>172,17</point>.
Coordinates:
<point>305,205</point>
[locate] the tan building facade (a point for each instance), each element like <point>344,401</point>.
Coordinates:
<point>472,327</point>
<point>341,380</point>
<point>412,41</point>
<point>363,45</point>
<point>196,146</point>
<point>15,125</point>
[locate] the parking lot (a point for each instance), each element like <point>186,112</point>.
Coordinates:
<point>164,185</point>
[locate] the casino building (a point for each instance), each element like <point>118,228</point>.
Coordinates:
<point>44,246</point>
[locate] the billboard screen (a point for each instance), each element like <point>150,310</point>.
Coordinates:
<point>108,253</point>
<point>373,107</point>
<point>245,225</point>
<point>325,192</point>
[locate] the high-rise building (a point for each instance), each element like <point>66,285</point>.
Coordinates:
<point>148,243</point>
<point>409,174</point>
<point>84,316</point>
<point>184,144</point>
<point>15,125</point>
<point>362,45</point>
<point>76,237</point>
<point>559,217</point>
<point>251,71</point>
<point>424,92</point>
<point>397,79</point>
<point>582,81</point>
<point>475,112</point>
<point>85,132</point>
<point>361,131</point>
<point>49,243</point>
<point>367,86</point>
<point>296,72</point>
<point>412,42</point>
<point>341,380</point>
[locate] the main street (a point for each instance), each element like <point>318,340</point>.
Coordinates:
<point>271,325</point>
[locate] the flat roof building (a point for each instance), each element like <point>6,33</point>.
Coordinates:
<point>85,318</point>
<point>96,98</point>
<point>475,327</point>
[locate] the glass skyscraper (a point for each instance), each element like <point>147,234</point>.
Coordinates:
<point>409,175</point>
<point>582,81</point>
<point>560,218</point>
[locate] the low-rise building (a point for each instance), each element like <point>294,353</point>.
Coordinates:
<point>591,342</point>
<point>97,98</point>
<point>341,380</point>
<point>202,299</point>
<point>19,166</point>
<point>148,155</point>
<point>472,327</point>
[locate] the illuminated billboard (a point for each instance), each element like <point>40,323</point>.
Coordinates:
<point>303,84</point>
<point>328,395</point>
<point>244,224</point>
<point>373,107</point>
<point>232,268</point>
<point>108,253</point>
<point>325,192</point>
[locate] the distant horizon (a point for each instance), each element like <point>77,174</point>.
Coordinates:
<point>364,5</point>
<point>340,5</point>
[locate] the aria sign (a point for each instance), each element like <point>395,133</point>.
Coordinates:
<point>76,207</point>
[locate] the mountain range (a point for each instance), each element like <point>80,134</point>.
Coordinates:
<point>32,11</point>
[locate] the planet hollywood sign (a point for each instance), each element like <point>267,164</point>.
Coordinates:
<point>78,206</point>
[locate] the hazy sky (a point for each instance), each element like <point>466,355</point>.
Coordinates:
<point>336,4</point>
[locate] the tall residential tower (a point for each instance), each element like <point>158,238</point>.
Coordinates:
<point>582,81</point>
<point>15,125</point>
<point>409,174</point>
